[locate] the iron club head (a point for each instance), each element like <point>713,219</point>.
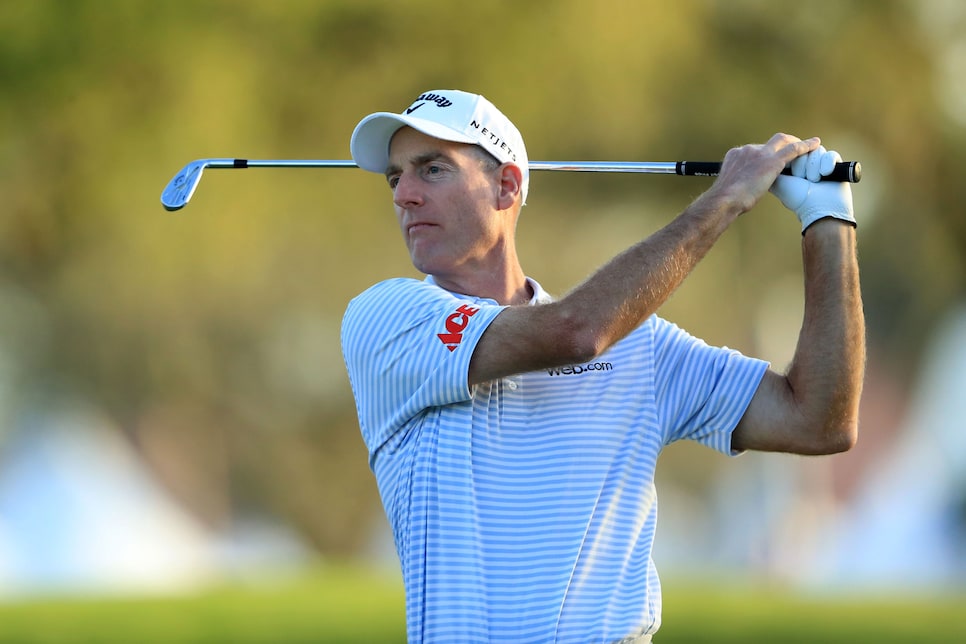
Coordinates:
<point>179,190</point>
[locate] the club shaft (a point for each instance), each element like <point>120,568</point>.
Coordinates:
<point>182,186</point>
<point>844,171</point>
<point>573,166</point>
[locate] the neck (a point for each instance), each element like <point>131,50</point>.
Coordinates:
<point>506,287</point>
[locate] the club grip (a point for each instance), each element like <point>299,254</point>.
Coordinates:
<point>844,171</point>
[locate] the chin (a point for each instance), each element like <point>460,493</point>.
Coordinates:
<point>425,264</point>
<point>422,266</point>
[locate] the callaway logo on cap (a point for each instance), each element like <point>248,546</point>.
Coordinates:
<point>447,114</point>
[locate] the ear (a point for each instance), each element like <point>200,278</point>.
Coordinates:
<point>511,179</point>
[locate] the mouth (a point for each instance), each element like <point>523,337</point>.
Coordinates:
<point>418,227</point>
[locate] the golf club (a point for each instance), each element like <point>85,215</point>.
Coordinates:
<point>183,185</point>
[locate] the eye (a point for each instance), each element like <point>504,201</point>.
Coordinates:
<point>393,181</point>
<point>432,169</point>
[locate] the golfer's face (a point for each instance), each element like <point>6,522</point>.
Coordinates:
<point>445,202</point>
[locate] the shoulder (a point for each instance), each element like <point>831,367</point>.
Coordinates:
<point>391,289</point>
<point>394,296</point>
<point>669,338</point>
<point>402,304</point>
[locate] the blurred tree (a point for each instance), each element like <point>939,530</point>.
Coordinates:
<point>211,335</point>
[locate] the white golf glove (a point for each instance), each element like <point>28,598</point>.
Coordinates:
<point>809,199</point>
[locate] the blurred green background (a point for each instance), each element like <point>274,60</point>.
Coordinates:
<point>184,368</point>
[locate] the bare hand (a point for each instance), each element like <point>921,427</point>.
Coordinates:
<point>747,172</point>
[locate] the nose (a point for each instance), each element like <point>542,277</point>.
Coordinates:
<point>407,192</point>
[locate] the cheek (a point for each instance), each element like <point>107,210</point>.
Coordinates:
<point>476,205</point>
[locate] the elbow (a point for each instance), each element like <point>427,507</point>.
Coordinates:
<point>842,438</point>
<point>576,341</point>
<point>832,423</point>
<point>836,437</point>
<point>587,344</point>
<point>840,425</point>
<point>585,349</point>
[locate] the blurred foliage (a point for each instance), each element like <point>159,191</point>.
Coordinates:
<point>211,335</point>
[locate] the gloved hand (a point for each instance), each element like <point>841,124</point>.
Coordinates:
<point>809,199</point>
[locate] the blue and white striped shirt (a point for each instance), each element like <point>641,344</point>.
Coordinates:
<point>524,509</point>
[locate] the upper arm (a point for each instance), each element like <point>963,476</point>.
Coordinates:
<point>766,424</point>
<point>776,421</point>
<point>525,338</point>
<point>407,346</point>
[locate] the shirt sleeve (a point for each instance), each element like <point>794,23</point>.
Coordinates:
<point>702,391</point>
<point>407,346</point>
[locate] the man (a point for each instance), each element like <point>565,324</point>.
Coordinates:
<point>514,438</point>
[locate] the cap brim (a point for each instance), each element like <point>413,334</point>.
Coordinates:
<point>370,140</point>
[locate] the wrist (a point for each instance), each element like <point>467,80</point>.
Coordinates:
<point>722,203</point>
<point>828,228</point>
<point>827,218</point>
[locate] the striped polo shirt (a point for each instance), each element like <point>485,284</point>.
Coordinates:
<point>524,509</point>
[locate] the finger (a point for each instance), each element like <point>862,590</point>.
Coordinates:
<point>829,159</point>
<point>801,147</point>
<point>813,164</point>
<point>797,166</point>
<point>781,140</point>
<point>795,150</point>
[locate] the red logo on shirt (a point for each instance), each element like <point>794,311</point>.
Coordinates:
<point>455,324</point>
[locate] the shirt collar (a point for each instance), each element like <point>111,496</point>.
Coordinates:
<point>540,296</point>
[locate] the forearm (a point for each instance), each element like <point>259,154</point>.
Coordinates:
<point>827,371</point>
<point>609,304</point>
<point>634,284</point>
<point>637,282</point>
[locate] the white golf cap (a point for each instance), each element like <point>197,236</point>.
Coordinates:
<point>447,114</point>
